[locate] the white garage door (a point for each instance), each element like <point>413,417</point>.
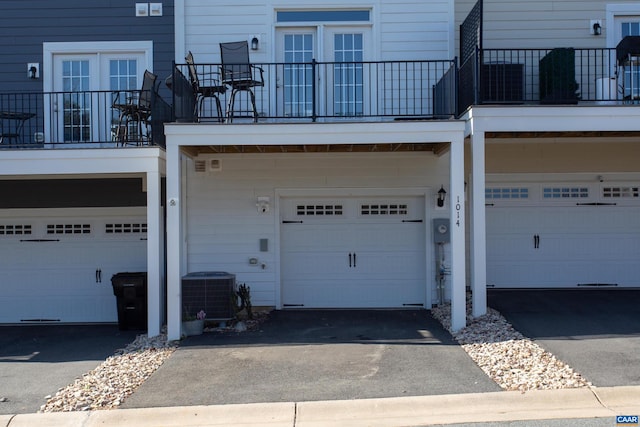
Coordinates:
<point>350,253</point>
<point>58,267</point>
<point>582,235</point>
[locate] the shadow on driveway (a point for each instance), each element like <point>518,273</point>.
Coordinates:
<point>37,360</point>
<point>596,332</point>
<point>316,355</point>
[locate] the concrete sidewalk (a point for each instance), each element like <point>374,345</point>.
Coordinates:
<point>595,402</point>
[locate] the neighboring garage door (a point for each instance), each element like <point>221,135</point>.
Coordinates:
<point>56,265</point>
<point>353,253</point>
<point>563,236</point>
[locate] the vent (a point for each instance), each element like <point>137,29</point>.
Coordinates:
<point>15,230</point>
<point>68,228</point>
<point>620,192</point>
<point>125,228</point>
<point>319,210</point>
<point>384,209</point>
<point>208,165</point>
<point>506,193</point>
<point>200,166</point>
<point>565,193</point>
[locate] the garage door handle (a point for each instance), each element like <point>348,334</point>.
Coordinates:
<point>349,259</point>
<point>354,260</point>
<point>536,241</point>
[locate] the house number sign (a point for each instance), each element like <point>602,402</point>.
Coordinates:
<point>458,208</point>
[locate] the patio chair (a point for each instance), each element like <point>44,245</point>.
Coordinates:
<point>135,112</point>
<point>201,92</point>
<point>238,74</point>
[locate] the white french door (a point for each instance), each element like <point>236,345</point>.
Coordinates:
<point>85,80</point>
<point>629,26</point>
<point>337,84</point>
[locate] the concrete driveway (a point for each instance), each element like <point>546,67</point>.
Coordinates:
<point>596,332</point>
<point>315,355</point>
<point>37,360</point>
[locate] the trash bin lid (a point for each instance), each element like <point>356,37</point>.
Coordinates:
<point>208,274</point>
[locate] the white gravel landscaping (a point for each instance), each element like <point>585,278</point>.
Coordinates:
<point>513,361</point>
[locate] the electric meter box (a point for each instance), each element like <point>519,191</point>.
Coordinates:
<point>441,230</point>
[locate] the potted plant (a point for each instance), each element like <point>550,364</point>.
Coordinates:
<point>193,325</point>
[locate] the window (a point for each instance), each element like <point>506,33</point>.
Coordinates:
<point>506,193</point>
<point>323,16</point>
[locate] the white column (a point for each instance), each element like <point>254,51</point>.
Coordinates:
<point>155,257</point>
<point>174,231</point>
<point>478,238</point>
<point>457,215</point>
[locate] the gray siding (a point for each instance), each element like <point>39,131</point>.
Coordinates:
<point>26,24</point>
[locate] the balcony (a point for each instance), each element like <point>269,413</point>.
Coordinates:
<point>546,77</point>
<point>88,119</point>
<point>323,92</point>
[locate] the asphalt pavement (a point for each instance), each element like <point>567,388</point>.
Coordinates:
<point>361,367</point>
<point>315,355</point>
<point>596,332</point>
<point>37,360</point>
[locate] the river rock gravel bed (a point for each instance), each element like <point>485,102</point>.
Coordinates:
<point>513,361</point>
<point>112,381</point>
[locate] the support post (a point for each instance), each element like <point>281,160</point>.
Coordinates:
<point>174,232</point>
<point>155,255</point>
<point>478,238</point>
<point>457,215</point>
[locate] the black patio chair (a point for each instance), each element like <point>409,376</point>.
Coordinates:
<point>239,74</point>
<point>211,88</point>
<point>135,112</point>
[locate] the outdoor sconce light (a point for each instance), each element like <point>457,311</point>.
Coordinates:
<point>597,29</point>
<point>33,70</point>
<point>255,43</point>
<point>441,196</point>
<point>263,204</point>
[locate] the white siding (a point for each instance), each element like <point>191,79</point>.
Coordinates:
<point>403,30</point>
<point>510,24</point>
<point>223,223</point>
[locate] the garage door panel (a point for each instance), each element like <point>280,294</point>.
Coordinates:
<point>57,280</point>
<point>362,258</point>
<point>564,243</point>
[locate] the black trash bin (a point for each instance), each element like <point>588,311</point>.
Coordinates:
<point>130,290</point>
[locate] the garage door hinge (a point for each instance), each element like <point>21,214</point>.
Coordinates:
<point>411,220</point>
<point>39,240</point>
<point>293,305</point>
<point>292,222</point>
<point>596,204</point>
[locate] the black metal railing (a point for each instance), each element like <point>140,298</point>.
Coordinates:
<point>320,91</point>
<point>81,119</point>
<point>542,76</point>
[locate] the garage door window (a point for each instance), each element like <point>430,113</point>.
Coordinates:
<point>506,193</point>
<point>384,209</point>
<point>68,228</point>
<point>15,229</point>
<point>565,192</point>
<point>319,210</point>
<point>620,192</point>
<point>125,228</point>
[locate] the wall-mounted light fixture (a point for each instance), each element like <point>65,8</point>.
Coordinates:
<point>596,27</point>
<point>255,43</point>
<point>263,204</point>
<point>442,194</point>
<point>33,70</point>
